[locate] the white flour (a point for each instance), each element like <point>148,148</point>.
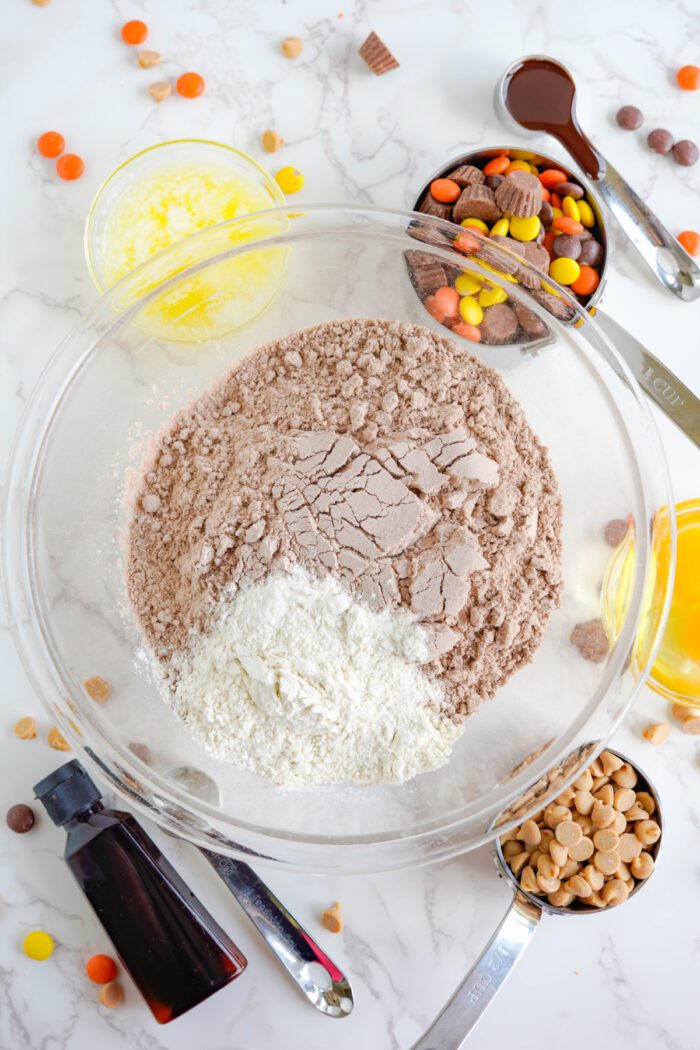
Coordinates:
<point>299,682</point>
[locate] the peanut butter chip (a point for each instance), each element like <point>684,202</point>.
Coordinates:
<point>629,847</point>
<point>548,885</point>
<point>518,862</point>
<point>111,994</point>
<point>558,853</point>
<point>568,833</point>
<point>160,90</point>
<point>560,898</point>
<point>530,834</point>
<point>593,877</point>
<point>624,799</point>
<point>645,800</point>
<point>584,802</point>
<point>546,867</point>
<point>57,741</point>
<point>605,839</point>
<point>149,59</point>
<point>528,880</point>
<point>272,141</point>
<point>642,866</point>
<point>578,886</point>
<point>605,794</point>
<point>582,850</point>
<point>692,726</point>
<point>332,919</point>
<point>292,47</point>
<point>606,861</point>
<point>681,713</point>
<point>25,729</point>
<point>602,815</point>
<point>97,688</point>
<point>615,892</point>
<point>609,762</point>
<point>625,776</point>
<point>648,832</point>
<point>658,733</point>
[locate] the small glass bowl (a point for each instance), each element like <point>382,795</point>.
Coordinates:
<point>164,155</point>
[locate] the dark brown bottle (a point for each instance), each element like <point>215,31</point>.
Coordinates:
<point>176,953</point>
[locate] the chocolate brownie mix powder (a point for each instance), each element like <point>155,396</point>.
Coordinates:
<point>380,454</point>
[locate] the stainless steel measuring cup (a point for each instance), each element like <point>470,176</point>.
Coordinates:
<point>667,259</point>
<point>659,383</point>
<point>479,988</point>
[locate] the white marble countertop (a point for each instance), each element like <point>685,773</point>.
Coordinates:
<point>624,979</point>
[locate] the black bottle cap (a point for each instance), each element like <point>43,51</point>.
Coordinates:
<point>67,792</point>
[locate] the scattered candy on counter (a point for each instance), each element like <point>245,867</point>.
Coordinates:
<point>289,180</point>
<point>685,153</point>
<point>657,733</point>
<point>70,166</point>
<point>97,688</point>
<point>41,3</point>
<point>111,994</point>
<point>160,90</point>
<point>190,85</point>
<point>149,59</point>
<point>540,217</point>
<point>25,728</point>
<point>332,919</point>
<point>101,969</point>
<point>688,78</point>
<point>660,141</point>
<point>292,47</point>
<point>689,722</point>
<point>615,531</point>
<point>593,844</point>
<point>690,240</point>
<point>271,141</point>
<point>51,144</point>
<point>134,32</point>
<point>57,740</point>
<point>629,118</point>
<point>20,818</point>
<point>38,945</point>
<point>377,55</point>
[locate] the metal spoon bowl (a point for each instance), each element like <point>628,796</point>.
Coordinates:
<point>490,971</point>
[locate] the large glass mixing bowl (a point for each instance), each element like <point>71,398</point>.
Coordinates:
<point>114,383</point>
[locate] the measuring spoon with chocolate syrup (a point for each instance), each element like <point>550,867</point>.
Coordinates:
<point>539,94</point>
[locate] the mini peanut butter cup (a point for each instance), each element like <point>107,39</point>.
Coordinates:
<point>377,55</point>
<point>520,193</point>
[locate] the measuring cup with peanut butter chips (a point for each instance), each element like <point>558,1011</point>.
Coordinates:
<point>593,848</point>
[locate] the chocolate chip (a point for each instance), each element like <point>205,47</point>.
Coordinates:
<point>569,189</point>
<point>546,214</point>
<point>494,181</point>
<point>685,152</point>
<point>660,140</point>
<point>20,818</point>
<point>629,118</point>
<point>499,325</point>
<point>590,254</point>
<point>566,246</point>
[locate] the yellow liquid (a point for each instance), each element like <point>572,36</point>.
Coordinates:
<point>676,669</point>
<point>166,206</point>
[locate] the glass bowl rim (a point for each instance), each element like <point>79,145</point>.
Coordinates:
<point>173,802</point>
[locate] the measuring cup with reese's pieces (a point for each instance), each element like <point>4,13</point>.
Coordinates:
<point>479,988</point>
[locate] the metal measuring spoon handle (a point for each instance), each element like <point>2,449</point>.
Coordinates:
<point>481,985</point>
<point>323,984</point>
<point>660,250</point>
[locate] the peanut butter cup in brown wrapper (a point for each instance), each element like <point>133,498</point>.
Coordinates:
<point>508,261</point>
<point>476,202</point>
<point>377,55</point>
<point>520,193</point>
<point>536,255</point>
<point>499,325</point>
<point>467,175</point>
